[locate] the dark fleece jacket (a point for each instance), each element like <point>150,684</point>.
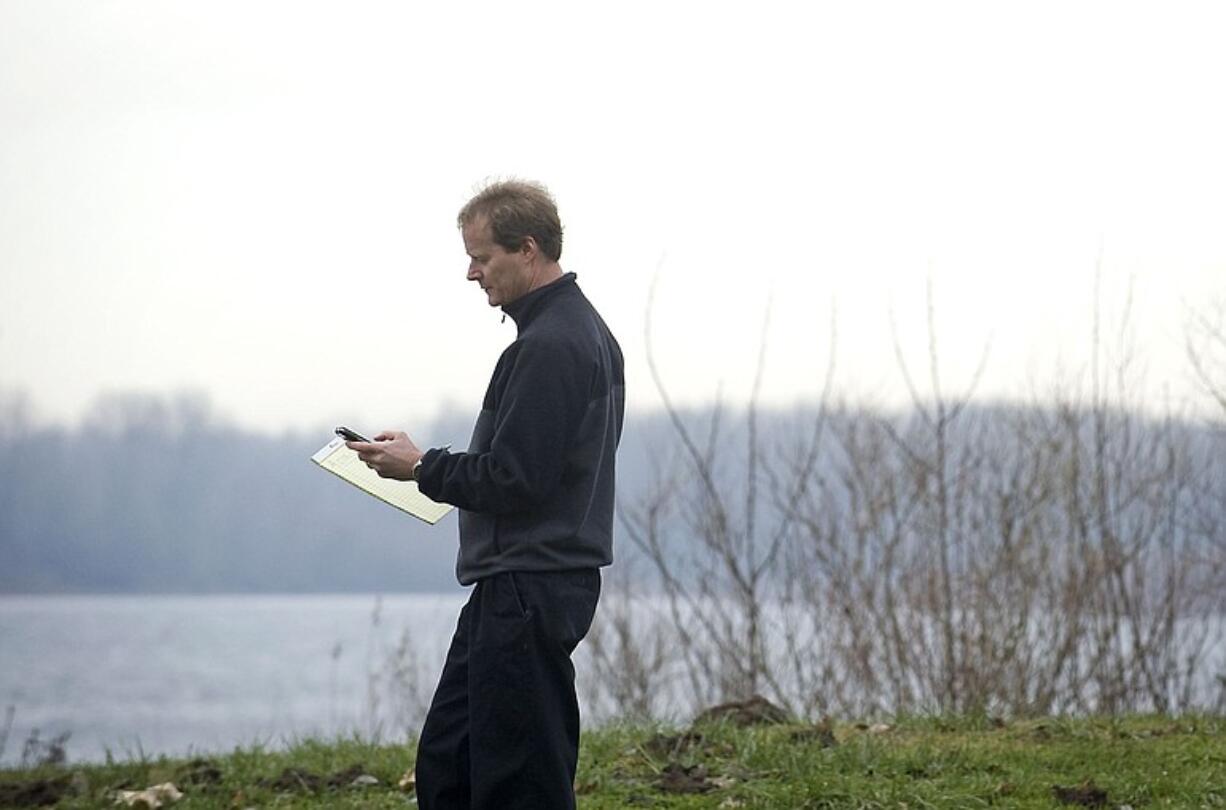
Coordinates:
<point>535,488</point>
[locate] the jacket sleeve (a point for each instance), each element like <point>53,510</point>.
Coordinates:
<point>539,407</point>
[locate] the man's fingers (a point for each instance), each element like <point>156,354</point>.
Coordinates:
<point>387,454</point>
<point>363,447</point>
<point>367,451</point>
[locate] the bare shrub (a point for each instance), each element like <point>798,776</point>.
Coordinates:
<point>9,712</point>
<point>628,653</point>
<point>400,680</point>
<point>716,591</point>
<point>1205,344</point>
<point>40,753</point>
<point>954,558</point>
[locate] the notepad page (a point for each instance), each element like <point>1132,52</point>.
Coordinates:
<point>338,459</point>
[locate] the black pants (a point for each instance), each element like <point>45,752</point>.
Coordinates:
<point>503,728</point>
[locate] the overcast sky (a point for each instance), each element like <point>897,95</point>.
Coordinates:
<point>256,199</point>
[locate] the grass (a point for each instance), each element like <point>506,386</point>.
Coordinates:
<point>1139,762</point>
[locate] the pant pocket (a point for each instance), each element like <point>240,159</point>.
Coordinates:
<point>517,596</point>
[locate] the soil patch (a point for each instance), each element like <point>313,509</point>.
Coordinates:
<point>296,780</point>
<point>38,793</point>
<point>299,780</point>
<point>677,778</point>
<point>756,711</point>
<point>822,734</point>
<point>345,778</point>
<point>199,772</point>
<point>668,746</point>
<point>1087,794</point>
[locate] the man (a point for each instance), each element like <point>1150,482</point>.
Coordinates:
<point>535,493</point>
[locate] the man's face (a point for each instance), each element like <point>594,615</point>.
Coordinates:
<point>504,276</point>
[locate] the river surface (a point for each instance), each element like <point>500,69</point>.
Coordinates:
<point>148,675</point>
<point>143,676</point>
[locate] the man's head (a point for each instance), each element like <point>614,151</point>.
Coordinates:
<point>513,238</point>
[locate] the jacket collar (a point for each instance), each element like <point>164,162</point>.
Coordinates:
<point>523,309</point>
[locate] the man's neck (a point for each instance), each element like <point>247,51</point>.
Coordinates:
<point>545,274</point>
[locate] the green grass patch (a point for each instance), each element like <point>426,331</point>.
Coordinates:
<point>1139,762</point>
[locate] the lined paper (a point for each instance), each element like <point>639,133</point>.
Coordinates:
<point>339,460</point>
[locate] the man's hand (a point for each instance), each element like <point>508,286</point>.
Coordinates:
<point>392,454</point>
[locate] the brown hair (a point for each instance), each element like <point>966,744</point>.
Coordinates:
<point>515,210</point>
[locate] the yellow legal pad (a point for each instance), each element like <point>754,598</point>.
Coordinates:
<point>339,460</point>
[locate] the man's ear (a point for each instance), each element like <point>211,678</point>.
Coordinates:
<point>529,248</point>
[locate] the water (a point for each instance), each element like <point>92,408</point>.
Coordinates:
<point>176,675</point>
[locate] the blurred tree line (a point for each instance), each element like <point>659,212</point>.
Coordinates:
<point>160,495</point>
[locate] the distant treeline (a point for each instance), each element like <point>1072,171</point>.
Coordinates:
<point>159,494</point>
